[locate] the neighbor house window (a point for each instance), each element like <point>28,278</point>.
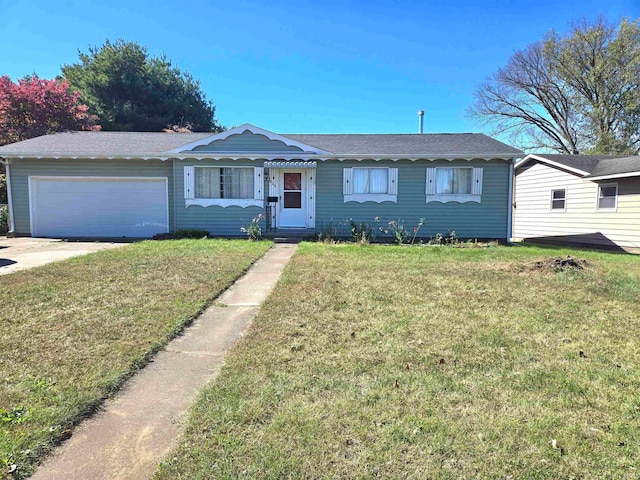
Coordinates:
<point>558,199</point>
<point>454,184</point>
<point>607,196</point>
<point>224,182</point>
<point>453,181</point>
<point>370,184</point>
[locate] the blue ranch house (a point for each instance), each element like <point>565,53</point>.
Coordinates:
<point>136,185</point>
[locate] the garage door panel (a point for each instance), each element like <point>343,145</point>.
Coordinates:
<point>98,207</point>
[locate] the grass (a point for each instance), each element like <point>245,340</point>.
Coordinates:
<point>429,363</point>
<point>72,332</point>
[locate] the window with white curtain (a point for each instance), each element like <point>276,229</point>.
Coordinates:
<point>224,182</point>
<point>370,180</point>
<point>454,184</point>
<point>453,181</point>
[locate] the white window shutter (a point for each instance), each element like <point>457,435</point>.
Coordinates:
<point>393,181</point>
<point>189,182</point>
<point>258,183</point>
<point>347,184</point>
<point>476,182</point>
<point>431,181</point>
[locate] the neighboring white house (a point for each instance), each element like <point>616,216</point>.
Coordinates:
<point>578,199</point>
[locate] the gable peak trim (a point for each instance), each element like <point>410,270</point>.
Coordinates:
<point>247,127</point>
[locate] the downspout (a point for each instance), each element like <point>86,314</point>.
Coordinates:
<point>11,232</point>
<point>510,199</point>
<point>175,199</point>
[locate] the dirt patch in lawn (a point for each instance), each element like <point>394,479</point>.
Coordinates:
<point>559,264</point>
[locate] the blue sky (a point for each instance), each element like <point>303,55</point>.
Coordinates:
<point>306,67</point>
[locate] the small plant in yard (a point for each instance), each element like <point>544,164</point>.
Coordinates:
<point>448,238</point>
<point>16,415</point>
<point>400,234</point>
<point>416,230</point>
<point>397,231</point>
<point>253,230</point>
<point>362,232</point>
<point>326,234</point>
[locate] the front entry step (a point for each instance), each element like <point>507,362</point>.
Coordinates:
<point>292,240</point>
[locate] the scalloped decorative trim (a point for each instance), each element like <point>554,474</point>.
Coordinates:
<point>370,197</point>
<point>454,198</point>
<point>224,202</point>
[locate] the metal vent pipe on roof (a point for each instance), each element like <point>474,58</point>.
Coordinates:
<point>420,120</point>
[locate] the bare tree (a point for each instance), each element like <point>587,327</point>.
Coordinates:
<point>570,94</point>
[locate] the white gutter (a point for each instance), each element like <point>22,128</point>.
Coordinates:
<point>510,205</point>
<point>614,175</point>
<point>9,196</point>
<point>266,156</point>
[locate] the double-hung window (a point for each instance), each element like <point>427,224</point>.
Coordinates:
<point>224,182</point>
<point>370,180</point>
<point>370,184</point>
<point>559,199</point>
<point>454,184</point>
<point>607,197</point>
<point>223,186</point>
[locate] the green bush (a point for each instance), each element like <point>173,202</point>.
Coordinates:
<point>4,219</point>
<point>3,188</point>
<point>192,233</point>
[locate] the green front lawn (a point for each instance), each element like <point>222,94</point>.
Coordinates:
<point>442,363</point>
<point>72,332</point>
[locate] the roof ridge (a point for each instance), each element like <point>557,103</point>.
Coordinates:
<point>395,134</point>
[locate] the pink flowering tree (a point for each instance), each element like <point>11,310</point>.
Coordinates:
<point>34,106</point>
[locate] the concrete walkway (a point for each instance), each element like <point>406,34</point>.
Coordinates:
<point>136,430</point>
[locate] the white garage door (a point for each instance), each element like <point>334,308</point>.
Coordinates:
<point>98,207</point>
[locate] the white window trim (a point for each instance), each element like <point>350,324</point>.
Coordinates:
<point>476,174</point>
<point>258,173</point>
<point>454,197</point>
<point>615,207</point>
<point>392,186</point>
<point>224,202</point>
<point>558,210</point>
<point>370,197</point>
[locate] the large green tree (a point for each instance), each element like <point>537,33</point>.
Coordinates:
<point>130,90</point>
<point>572,93</point>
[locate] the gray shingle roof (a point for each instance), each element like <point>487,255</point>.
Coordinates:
<point>615,166</point>
<point>103,143</point>
<point>145,143</point>
<point>596,165</point>
<point>445,144</point>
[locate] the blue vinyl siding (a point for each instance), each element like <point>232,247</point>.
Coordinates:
<point>470,220</point>
<point>218,221</point>
<point>487,219</point>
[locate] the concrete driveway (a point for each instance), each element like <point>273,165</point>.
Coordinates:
<point>22,253</point>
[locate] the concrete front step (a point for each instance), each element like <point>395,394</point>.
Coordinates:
<point>287,239</point>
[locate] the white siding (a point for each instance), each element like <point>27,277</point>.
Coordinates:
<point>580,222</point>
